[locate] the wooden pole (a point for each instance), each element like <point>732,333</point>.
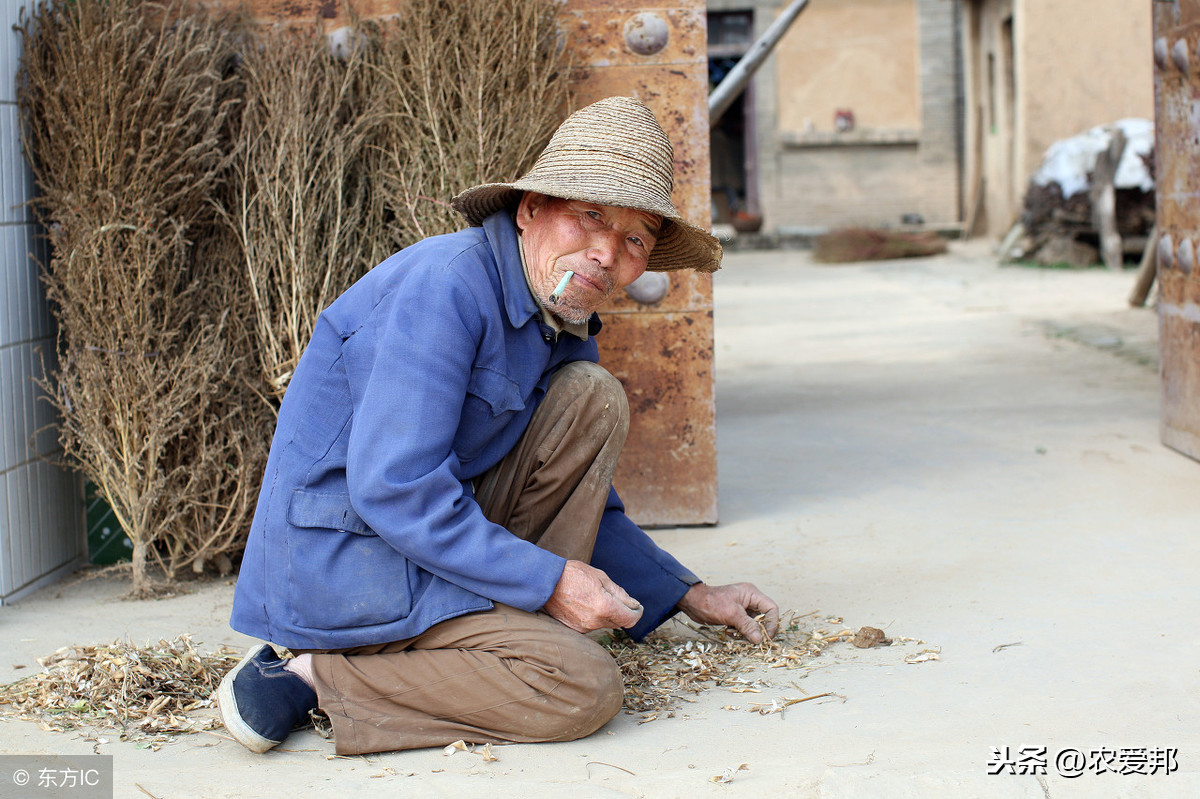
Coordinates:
<point>728,89</point>
<point>1104,201</point>
<point>1146,271</point>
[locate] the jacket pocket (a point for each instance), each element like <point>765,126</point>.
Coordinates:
<point>341,574</point>
<point>491,402</point>
<point>496,389</point>
<point>332,511</point>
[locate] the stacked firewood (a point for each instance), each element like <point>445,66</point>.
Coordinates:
<point>1063,230</point>
<point>1091,202</point>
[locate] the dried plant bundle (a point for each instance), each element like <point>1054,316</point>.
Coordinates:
<point>124,105</point>
<point>346,153</point>
<point>300,202</point>
<point>871,244</point>
<point>472,91</point>
<point>144,693</point>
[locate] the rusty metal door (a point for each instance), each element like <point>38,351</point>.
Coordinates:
<point>1177,148</point>
<point>662,351</point>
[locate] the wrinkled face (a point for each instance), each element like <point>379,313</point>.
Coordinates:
<point>606,247</point>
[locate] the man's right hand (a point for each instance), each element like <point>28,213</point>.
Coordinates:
<point>585,599</point>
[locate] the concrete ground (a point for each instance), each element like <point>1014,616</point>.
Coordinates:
<point>953,451</point>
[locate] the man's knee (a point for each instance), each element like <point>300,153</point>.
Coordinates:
<point>595,394</point>
<point>595,695</point>
<point>578,684</point>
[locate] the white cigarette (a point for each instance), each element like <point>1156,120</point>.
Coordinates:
<point>561,287</point>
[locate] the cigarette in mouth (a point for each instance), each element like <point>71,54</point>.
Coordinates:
<point>561,287</point>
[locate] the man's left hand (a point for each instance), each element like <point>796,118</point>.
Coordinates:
<point>734,606</point>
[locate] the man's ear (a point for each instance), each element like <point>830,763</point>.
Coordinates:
<point>531,203</point>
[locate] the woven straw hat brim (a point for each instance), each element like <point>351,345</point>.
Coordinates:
<point>612,152</point>
<point>680,245</point>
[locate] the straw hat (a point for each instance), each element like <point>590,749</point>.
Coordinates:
<point>612,152</point>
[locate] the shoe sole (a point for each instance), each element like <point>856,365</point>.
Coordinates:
<point>239,729</point>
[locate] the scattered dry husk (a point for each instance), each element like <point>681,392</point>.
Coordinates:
<point>143,693</point>
<point>677,662</point>
<point>146,693</point>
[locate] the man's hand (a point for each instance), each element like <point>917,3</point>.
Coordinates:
<point>733,606</point>
<point>585,599</point>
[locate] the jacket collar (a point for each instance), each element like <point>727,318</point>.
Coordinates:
<point>519,304</point>
<point>501,233</point>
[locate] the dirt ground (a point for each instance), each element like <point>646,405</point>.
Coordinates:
<point>953,451</point>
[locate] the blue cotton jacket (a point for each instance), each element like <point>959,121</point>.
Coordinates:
<point>419,378</point>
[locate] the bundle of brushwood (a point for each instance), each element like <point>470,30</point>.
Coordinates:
<point>210,186</point>
<point>124,105</point>
<point>300,185</point>
<point>471,92</point>
<point>871,244</point>
<point>341,159</point>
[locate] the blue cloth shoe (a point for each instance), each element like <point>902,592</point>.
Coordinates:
<point>261,702</point>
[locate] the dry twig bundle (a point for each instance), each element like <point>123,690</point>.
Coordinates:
<point>472,91</point>
<point>143,693</point>
<point>869,244</point>
<point>346,154</point>
<point>301,194</point>
<point>124,104</point>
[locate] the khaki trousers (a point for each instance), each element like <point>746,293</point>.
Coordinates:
<point>505,674</point>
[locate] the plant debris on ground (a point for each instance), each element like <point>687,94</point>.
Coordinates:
<point>144,694</point>
<point>148,694</point>
<point>675,663</point>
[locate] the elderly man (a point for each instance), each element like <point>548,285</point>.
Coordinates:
<point>437,526</point>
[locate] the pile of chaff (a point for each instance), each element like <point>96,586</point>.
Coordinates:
<point>150,694</point>
<point>676,663</point>
<point>144,694</point>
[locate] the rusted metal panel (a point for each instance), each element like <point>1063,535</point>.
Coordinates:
<point>604,34</point>
<point>657,52</point>
<point>1177,107</point>
<point>665,362</point>
<point>273,11</point>
<point>1185,12</point>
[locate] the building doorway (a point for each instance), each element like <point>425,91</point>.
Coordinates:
<point>732,142</point>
